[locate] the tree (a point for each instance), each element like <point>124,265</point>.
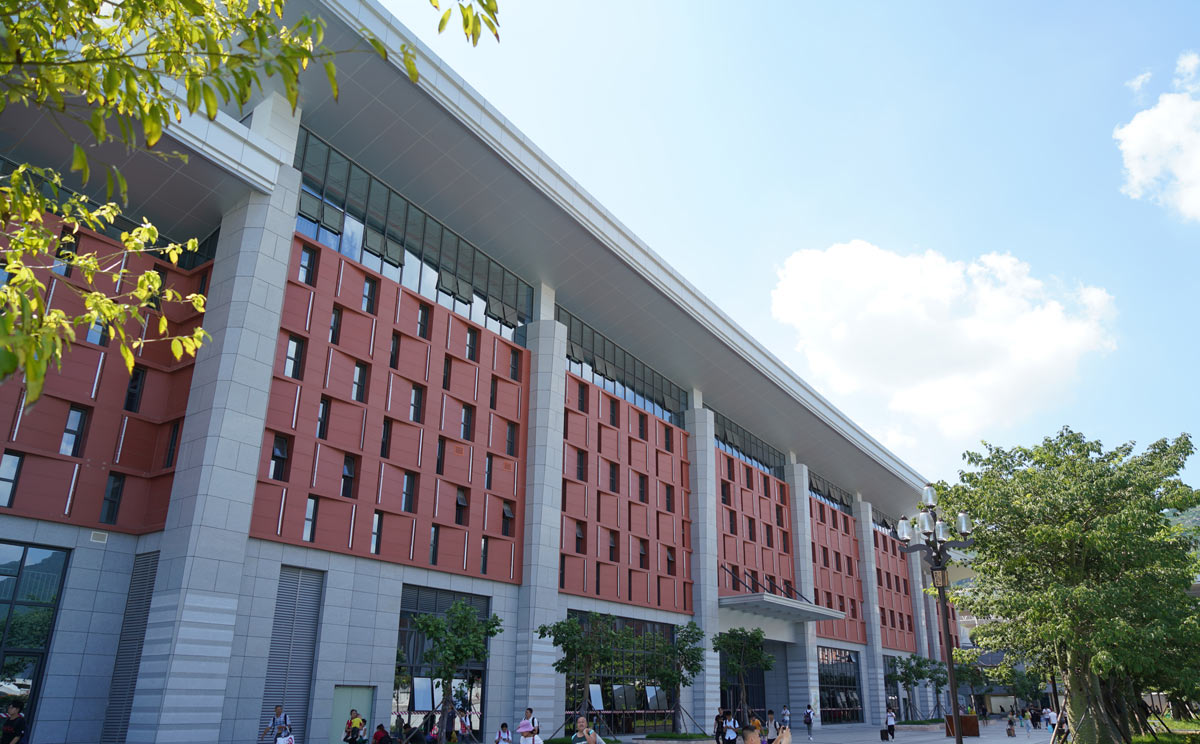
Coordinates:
<point>675,664</point>
<point>967,671</point>
<point>908,672</point>
<point>585,647</point>
<point>743,651</point>
<point>121,74</point>
<point>451,642</point>
<point>935,674</point>
<point>1089,529</point>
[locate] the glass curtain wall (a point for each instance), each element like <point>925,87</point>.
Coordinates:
<point>841,696</point>
<point>31,581</point>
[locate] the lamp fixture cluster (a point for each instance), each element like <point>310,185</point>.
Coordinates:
<point>927,524</point>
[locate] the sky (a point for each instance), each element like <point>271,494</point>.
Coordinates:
<point>959,222</point>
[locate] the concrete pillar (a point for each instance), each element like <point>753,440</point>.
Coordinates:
<point>537,684</point>
<point>874,694</point>
<point>803,683</point>
<point>181,689</point>
<point>922,621</point>
<point>705,692</point>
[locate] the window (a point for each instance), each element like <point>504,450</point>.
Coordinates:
<point>447,367</point>
<point>670,561</point>
<point>853,610</point>
<point>468,422</point>
<point>845,523</point>
<point>483,555</point>
<point>821,513</point>
<point>882,617</point>
<point>370,294</point>
<point>514,365</point>
<point>906,586</point>
<point>385,440</point>
<point>335,325</point>
<point>879,577</point>
<point>837,561</point>
<point>98,334</point>
<point>492,394</point>
<point>580,465</point>
<point>849,566</point>
<point>72,438</point>
<point>785,542</point>
<point>614,412</point>
<point>825,556</point>
<point>668,439</point>
<point>112,498</point>
<point>506,518</point>
<point>788,590</point>
<point>461,506</point>
<point>510,440</point>
<point>767,533</point>
<point>62,263</point>
<point>614,475</point>
<point>10,472</point>
<point>441,455</point>
<point>172,443</point>
<point>749,476</point>
<point>614,552</point>
<point>323,418</point>
<point>729,468</point>
<point>358,386</point>
<point>473,344</point>
<point>349,472</point>
<point>308,266</point>
<point>736,581</point>
<point>423,321</point>
<point>732,521</point>
<point>376,532</point>
<point>408,496</point>
<point>580,539</point>
<point>293,361</point>
<point>643,553</point>
<point>133,392</point>
<point>310,519</point>
<point>394,354</point>
<point>641,426</point>
<point>581,393</point>
<point>725,497</point>
<point>750,532</point>
<point>487,471</point>
<point>434,535</point>
<point>279,459</point>
<point>416,405</point>
<point>669,500</point>
<point>892,618</point>
<point>779,516</point>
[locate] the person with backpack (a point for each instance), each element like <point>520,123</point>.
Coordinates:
<point>730,727</point>
<point>772,727</point>
<point>280,724</point>
<point>810,717</point>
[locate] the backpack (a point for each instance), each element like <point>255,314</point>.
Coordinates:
<point>808,716</point>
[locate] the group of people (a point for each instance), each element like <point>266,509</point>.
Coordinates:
<point>1030,719</point>
<point>774,730</point>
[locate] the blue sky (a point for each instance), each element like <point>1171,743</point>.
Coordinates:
<point>925,200</point>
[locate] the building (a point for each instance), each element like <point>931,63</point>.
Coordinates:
<point>415,312</point>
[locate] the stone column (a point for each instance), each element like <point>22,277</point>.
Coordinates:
<point>922,622</point>
<point>537,684</point>
<point>180,695</point>
<point>874,695</point>
<point>803,684</point>
<point>702,441</point>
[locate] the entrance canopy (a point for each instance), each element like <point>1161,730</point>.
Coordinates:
<point>779,608</point>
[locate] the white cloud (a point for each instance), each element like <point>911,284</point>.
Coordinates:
<point>1160,146</point>
<point>920,347</point>
<point>1138,82</point>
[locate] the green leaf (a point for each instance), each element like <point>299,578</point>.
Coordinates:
<point>331,73</point>
<point>445,19</point>
<point>376,44</point>
<point>152,128</point>
<point>79,162</point>
<point>127,355</point>
<point>177,349</point>
<point>210,101</point>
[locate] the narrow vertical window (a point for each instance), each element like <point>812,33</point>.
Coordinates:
<point>732,522</point>
<point>483,555</point>
<point>416,405</point>
<point>280,451</point>
<point>670,561</point>
<point>370,294</point>
<point>468,422</point>
<point>725,497</point>
<point>385,441</point>
<point>423,321</point>
<point>310,519</point>
<point>98,334</point>
<point>514,365</point>
<point>614,412</point>
<point>643,487</point>
<point>10,473</point>
<point>510,440</point>
<point>769,534</point>
<point>112,498</point>
<point>441,455</point>
<point>447,367</point>
<point>133,392</point>
<point>614,551</point>
<point>323,418</point>
<point>394,354</point>
<point>581,395</point>
<point>358,386</point>
<point>750,533</point>
<point>614,477</point>
<point>506,518</point>
<point>293,362</point>
<point>335,325</point>
<point>434,535</point>
<point>408,497</point>
<point>172,444</point>
<point>643,553</point>
<point>376,532</point>
<point>461,507</point>
<point>641,426</point>
<point>779,516</point>
<point>473,344</point>
<point>668,438</point>
<point>492,394</point>
<point>349,477</point>
<point>72,438</point>
<point>669,498</point>
<point>729,468</point>
<point>580,539</point>
<point>580,465</point>
<point>155,300</point>
<point>487,471</point>
<point>308,266</point>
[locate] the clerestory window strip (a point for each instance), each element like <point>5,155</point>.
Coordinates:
<point>740,443</point>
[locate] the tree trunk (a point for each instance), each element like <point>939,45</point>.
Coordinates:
<point>1088,716</point>
<point>444,723</point>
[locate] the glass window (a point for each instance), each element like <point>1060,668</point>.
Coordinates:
<point>394,354</point>
<point>461,507</point>
<point>349,475</point>
<point>279,458</point>
<point>510,440</point>
<point>308,266</point>
<point>423,321</point>
<point>670,561</point>
<point>492,394</point>
<point>642,423</point>
<point>643,553</point>
<point>483,555</point>
<point>441,455</point>
<point>580,465</point>
<point>10,473</point>
<point>385,439</point>
<point>614,477</point>
<point>668,438</point>
<point>726,499</point>
<point>335,325</point>
<point>98,334</point>
<point>614,552</point>
<point>434,535</point>
<point>133,391</point>
<point>408,500</point>
<point>376,532</point>
<point>580,539</point>
<point>447,368</point>
<point>310,519</point>
<point>72,439</point>
<point>514,365</point>
<point>293,363</point>
<point>172,443</point>
<point>487,471</point>
<point>473,344</point>
<point>507,511</point>
<point>323,418</point>
<point>468,422</point>
<point>370,294</point>
<point>643,487</point>
<point>112,498</point>
<point>358,386</point>
<point>416,405</point>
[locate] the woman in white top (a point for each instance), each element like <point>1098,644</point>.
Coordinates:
<point>891,724</point>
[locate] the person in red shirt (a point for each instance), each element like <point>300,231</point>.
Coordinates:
<point>381,736</point>
<point>14,724</point>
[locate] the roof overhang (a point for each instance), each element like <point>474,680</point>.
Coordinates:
<point>779,608</point>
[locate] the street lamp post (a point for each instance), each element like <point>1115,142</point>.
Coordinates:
<point>932,539</point>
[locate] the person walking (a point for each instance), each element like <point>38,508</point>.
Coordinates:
<point>718,728</point>
<point>1012,726</point>
<point>810,716</point>
<point>354,727</point>
<point>891,724</point>
<point>729,727</point>
<point>583,734</point>
<point>772,727</point>
<point>785,717</point>
<point>533,721</point>
<point>1051,722</point>
<point>280,724</point>
<point>14,723</point>
<point>504,736</point>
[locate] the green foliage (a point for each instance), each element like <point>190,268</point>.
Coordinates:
<point>968,672</point>
<point>674,665</point>
<point>1077,562</point>
<point>743,650</point>
<point>585,647</point>
<point>453,641</point>
<point>910,671</point>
